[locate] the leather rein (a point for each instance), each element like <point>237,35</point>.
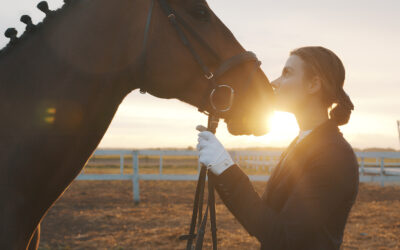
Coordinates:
<point>213,116</point>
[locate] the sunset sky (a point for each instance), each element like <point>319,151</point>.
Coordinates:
<point>364,34</point>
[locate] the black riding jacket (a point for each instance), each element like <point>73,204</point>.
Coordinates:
<point>308,196</point>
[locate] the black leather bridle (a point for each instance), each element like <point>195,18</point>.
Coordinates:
<point>224,66</point>
<point>213,116</point>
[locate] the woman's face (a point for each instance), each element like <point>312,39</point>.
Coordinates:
<point>290,88</point>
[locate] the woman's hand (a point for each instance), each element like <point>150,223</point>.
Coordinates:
<point>211,152</point>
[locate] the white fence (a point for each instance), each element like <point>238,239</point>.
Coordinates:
<point>373,167</point>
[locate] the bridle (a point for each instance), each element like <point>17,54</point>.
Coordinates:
<point>224,66</point>
<point>213,116</point>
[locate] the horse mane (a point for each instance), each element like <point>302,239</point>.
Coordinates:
<point>33,28</point>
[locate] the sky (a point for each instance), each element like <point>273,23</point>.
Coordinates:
<point>364,34</point>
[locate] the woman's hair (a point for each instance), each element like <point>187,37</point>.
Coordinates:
<point>325,64</point>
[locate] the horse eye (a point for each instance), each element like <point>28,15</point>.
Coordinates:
<point>201,12</point>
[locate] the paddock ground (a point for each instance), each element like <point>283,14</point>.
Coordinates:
<point>101,215</point>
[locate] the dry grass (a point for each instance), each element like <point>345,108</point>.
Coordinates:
<point>101,215</point>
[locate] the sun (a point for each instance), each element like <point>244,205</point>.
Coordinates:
<point>282,127</point>
<point>282,122</point>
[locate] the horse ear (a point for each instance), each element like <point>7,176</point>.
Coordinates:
<point>12,34</point>
<point>28,21</point>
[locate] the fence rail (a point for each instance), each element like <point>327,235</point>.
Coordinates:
<point>373,167</point>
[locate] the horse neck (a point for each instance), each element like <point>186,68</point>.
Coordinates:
<point>60,88</point>
<point>85,48</point>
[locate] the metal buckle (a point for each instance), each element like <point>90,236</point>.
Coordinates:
<point>231,97</point>
<point>210,76</point>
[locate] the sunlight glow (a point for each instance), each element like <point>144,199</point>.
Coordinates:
<point>282,122</point>
<point>283,129</point>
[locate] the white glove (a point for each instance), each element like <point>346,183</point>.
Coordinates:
<point>211,152</point>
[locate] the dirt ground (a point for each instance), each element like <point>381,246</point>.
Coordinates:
<point>102,215</point>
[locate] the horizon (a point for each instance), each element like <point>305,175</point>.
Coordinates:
<point>373,149</point>
<point>363,34</point>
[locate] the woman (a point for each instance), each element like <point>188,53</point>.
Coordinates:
<point>312,189</point>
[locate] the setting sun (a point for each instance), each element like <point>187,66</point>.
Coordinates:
<point>283,129</point>
<point>282,122</point>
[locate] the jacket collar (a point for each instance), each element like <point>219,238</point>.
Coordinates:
<point>320,132</point>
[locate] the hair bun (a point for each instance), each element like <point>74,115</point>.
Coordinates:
<point>341,112</point>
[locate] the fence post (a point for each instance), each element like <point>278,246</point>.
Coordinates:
<point>233,155</point>
<point>362,166</point>
<point>382,172</point>
<point>121,163</point>
<point>135,178</point>
<point>161,163</point>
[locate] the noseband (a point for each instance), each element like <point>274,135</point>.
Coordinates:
<point>224,66</point>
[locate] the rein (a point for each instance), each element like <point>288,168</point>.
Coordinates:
<point>213,116</point>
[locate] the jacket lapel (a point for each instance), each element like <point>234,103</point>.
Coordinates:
<point>275,176</point>
<point>292,163</point>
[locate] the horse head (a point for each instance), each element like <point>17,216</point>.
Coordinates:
<point>189,54</point>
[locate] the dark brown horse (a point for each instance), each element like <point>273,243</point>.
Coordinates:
<point>62,81</point>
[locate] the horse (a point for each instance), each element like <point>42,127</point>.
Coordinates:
<point>62,80</point>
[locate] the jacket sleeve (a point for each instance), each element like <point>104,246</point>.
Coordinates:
<point>329,179</point>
